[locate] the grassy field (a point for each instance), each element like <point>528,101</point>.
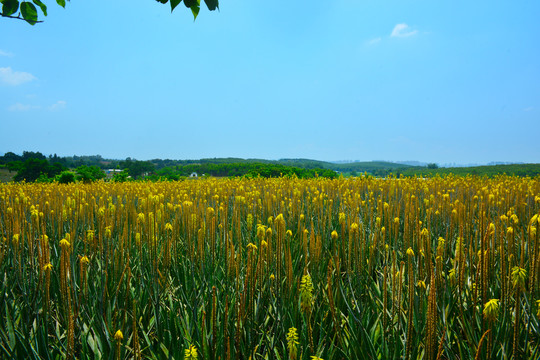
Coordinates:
<point>358,268</point>
<point>6,175</point>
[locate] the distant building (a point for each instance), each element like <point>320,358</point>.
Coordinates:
<point>193,175</point>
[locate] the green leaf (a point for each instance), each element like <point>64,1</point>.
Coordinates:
<point>29,12</point>
<point>62,3</point>
<point>10,330</point>
<point>41,5</point>
<point>191,3</point>
<point>10,7</point>
<point>174,3</point>
<point>212,4</point>
<point>195,10</point>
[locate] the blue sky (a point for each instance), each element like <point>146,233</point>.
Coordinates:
<point>433,81</point>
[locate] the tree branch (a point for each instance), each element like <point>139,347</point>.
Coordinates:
<point>20,18</point>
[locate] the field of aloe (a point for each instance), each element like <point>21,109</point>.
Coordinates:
<point>363,268</point>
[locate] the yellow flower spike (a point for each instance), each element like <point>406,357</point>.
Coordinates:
<point>519,275</point>
<point>421,285</point>
<point>252,246</point>
<point>47,267</point>
<point>64,244</point>
<point>514,219</point>
<point>440,241</point>
<point>354,227</point>
<point>292,341</point>
<point>316,358</point>
<point>452,276</point>
<point>191,353</point>
<point>396,221</point>
<point>261,229</point>
<point>168,227</point>
<point>410,252</point>
<point>264,244</point>
<point>334,235</point>
<point>118,336</point>
<point>140,218</point>
<point>342,218</point>
<point>306,293</point>
<point>85,260</point>
<point>491,309</point>
<point>510,231</point>
<point>272,277</point>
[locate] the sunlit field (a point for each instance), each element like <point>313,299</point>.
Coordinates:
<point>358,268</point>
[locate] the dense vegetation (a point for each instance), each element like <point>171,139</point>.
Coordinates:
<point>281,268</point>
<point>488,170</point>
<point>34,166</point>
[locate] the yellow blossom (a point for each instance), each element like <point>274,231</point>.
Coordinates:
<point>292,341</point>
<point>491,309</point>
<point>118,336</point>
<point>191,353</point>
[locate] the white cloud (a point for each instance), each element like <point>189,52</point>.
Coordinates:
<point>59,105</point>
<point>5,53</point>
<point>403,30</point>
<point>10,77</point>
<point>373,41</point>
<point>22,107</point>
<point>527,109</point>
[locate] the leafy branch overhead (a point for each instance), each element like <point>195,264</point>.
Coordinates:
<point>27,10</point>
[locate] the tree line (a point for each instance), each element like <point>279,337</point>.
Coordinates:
<point>35,166</point>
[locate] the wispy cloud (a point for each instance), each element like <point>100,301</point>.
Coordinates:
<point>527,109</point>
<point>59,105</point>
<point>18,107</point>
<point>5,53</point>
<point>403,30</point>
<point>14,78</point>
<point>373,41</point>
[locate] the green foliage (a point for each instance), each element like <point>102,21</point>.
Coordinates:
<point>88,174</point>
<point>122,176</point>
<point>65,177</point>
<point>137,168</point>
<point>488,170</point>
<point>250,170</point>
<point>29,13</point>
<point>32,168</point>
